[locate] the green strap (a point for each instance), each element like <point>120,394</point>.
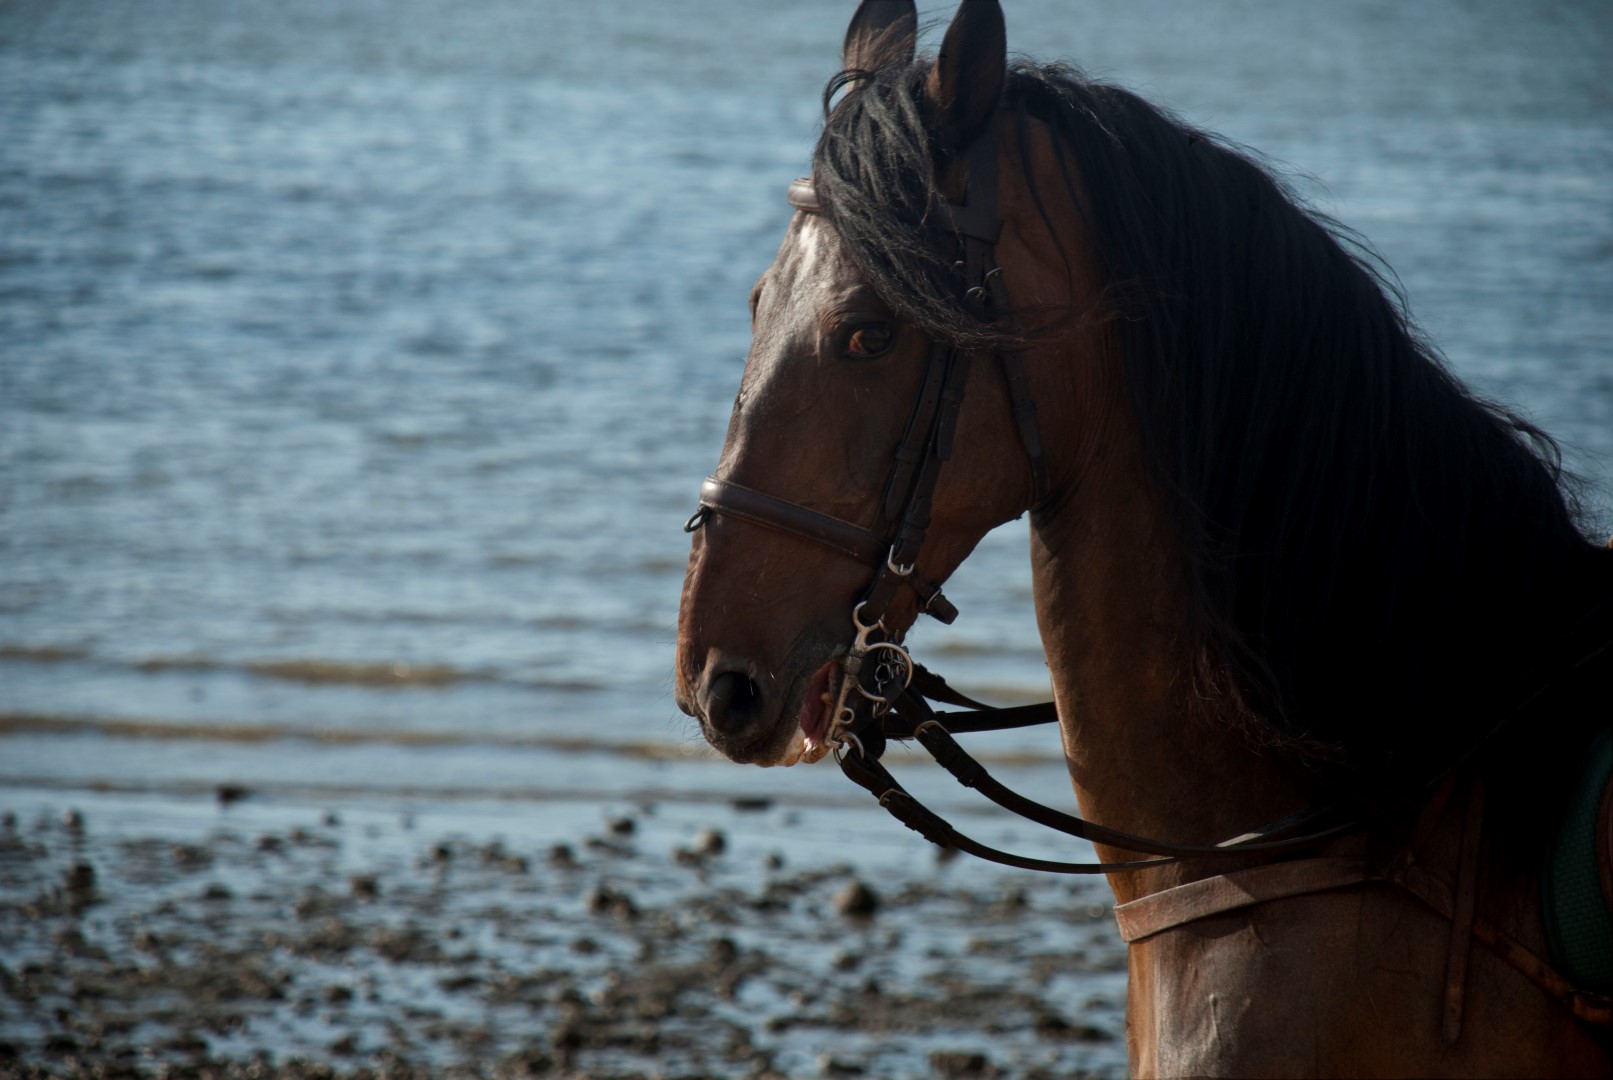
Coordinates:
<point>1579,925</point>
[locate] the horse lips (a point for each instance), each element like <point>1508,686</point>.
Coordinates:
<point>816,712</point>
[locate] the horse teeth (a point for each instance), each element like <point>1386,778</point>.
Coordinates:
<point>813,751</point>
<point>796,750</point>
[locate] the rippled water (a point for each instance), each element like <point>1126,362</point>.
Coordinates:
<point>359,360</point>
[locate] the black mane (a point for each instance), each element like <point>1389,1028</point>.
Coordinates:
<point>1377,556</point>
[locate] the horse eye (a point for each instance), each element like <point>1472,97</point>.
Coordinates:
<point>868,340</point>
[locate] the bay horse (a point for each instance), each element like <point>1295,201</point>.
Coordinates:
<point>1282,556</point>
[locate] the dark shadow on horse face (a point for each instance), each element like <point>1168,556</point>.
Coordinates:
<point>828,386</point>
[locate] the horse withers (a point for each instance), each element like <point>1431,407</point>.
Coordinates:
<point>1282,557</point>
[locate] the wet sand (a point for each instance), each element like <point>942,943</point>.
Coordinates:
<point>240,935</point>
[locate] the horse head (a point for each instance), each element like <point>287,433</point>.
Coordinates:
<point>831,410</point>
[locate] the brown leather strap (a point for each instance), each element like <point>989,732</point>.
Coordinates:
<point>1591,1008</point>
<point>774,513</point>
<point>1467,888</point>
<point>914,447</point>
<point>1167,909</point>
<point>1030,433</point>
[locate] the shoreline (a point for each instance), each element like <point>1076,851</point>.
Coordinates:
<point>154,935</point>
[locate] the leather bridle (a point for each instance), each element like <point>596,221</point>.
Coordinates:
<point>883,693</point>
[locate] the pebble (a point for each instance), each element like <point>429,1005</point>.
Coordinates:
<point>1058,1029</point>
<point>833,1066</point>
<point>856,899</point>
<point>962,1065</point>
<point>364,886</point>
<point>190,854</point>
<point>603,900</point>
<point>723,952</point>
<point>79,879</point>
<point>709,842</point>
<point>611,847</point>
<point>1012,900</point>
<point>623,826</point>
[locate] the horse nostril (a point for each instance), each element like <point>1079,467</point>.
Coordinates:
<point>733,702</point>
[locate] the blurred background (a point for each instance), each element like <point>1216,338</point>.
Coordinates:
<point>360,359</point>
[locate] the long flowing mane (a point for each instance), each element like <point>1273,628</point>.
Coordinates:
<point>1377,557</point>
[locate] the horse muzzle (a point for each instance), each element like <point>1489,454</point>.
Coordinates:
<point>744,717</point>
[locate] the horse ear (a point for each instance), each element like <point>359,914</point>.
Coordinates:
<point>966,84</point>
<point>882,32</point>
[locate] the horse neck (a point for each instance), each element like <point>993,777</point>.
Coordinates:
<point>1147,751</point>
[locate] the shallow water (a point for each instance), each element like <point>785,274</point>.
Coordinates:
<point>359,361</point>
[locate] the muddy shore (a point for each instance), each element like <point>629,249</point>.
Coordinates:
<point>238,936</point>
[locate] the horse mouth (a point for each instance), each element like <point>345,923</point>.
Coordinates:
<point>817,711</point>
<point>809,741</point>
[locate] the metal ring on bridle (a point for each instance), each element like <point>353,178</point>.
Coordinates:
<point>857,621</point>
<point>905,570</point>
<point>696,519</point>
<point>848,737</point>
<point>906,666</point>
